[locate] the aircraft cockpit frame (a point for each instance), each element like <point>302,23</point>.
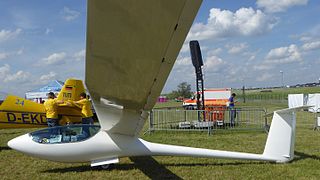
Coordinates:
<point>65,134</point>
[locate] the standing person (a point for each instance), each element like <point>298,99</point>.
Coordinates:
<point>232,109</point>
<point>51,108</point>
<point>85,106</point>
<point>86,112</point>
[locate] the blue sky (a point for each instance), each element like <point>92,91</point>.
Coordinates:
<point>242,42</point>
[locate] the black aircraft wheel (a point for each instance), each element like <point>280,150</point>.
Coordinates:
<point>106,166</point>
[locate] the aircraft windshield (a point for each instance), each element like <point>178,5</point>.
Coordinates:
<point>65,134</point>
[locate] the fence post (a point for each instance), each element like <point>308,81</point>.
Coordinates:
<point>185,115</point>
<point>266,126</point>
<point>209,123</point>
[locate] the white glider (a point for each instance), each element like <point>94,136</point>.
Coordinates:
<point>131,48</point>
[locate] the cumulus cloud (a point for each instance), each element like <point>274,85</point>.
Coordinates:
<point>310,35</point>
<point>273,6</point>
<point>185,47</point>
<point>311,45</point>
<point>7,34</point>
<point>184,61</point>
<point>277,56</point>
<point>47,77</point>
<point>6,75</point>
<point>18,76</point>
<point>284,55</point>
<point>213,64</point>
<point>262,66</point>
<point>305,38</point>
<point>3,56</point>
<point>4,70</point>
<point>55,59</point>
<point>236,48</point>
<point>252,57</point>
<point>79,56</point>
<point>214,52</point>
<point>224,23</point>
<point>69,14</point>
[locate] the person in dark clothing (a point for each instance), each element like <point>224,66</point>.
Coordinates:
<point>232,109</point>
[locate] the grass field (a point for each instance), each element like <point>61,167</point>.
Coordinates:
<point>15,165</point>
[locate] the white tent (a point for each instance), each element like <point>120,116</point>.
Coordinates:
<point>41,93</point>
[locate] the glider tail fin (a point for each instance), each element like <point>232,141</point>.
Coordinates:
<point>281,137</point>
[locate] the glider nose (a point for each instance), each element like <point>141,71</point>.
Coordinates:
<point>19,143</point>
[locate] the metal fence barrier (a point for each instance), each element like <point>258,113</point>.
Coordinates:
<point>209,120</point>
<point>309,118</point>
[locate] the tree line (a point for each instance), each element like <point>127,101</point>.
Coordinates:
<point>183,91</point>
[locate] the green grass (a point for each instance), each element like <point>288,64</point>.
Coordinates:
<point>169,104</point>
<point>15,165</point>
<point>303,90</point>
<point>274,96</point>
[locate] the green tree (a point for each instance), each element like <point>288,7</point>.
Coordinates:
<point>183,90</point>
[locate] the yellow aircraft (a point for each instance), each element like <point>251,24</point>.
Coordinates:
<point>17,112</point>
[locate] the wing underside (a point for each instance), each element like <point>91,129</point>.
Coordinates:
<point>131,48</point>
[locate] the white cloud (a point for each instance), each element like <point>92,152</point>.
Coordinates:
<point>7,34</point>
<point>311,46</point>
<point>236,48</point>
<point>262,67</point>
<point>213,64</point>
<point>273,6</point>
<point>48,31</point>
<point>305,38</point>
<point>264,77</point>
<point>185,47</point>
<point>55,59</point>
<point>79,56</point>
<point>18,76</point>
<point>6,76</point>
<point>224,23</point>
<point>184,61</point>
<point>310,35</point>
<point>47,77</point>
<point>3,56</point>
<point>214,52</point>
<point>284,55</point>
<point>252,57</point>
<point>69,14</point>
<point>4,70</point>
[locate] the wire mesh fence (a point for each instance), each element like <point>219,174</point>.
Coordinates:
<point>308,118</point>
<point>264,98</point>
<point>210,120</point>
